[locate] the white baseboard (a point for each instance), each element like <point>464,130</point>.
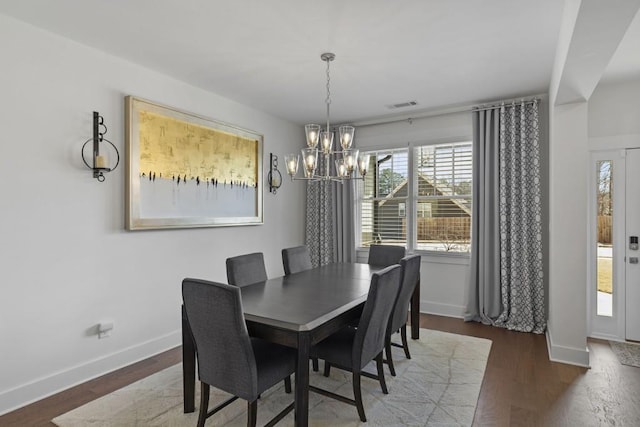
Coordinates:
<point>440,309</point>
<point>569,355</point>
<point>38,389</point>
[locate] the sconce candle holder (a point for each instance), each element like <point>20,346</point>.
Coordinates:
<point>99,163</point>
<point>274,178</point>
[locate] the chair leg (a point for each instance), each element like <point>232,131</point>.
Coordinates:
<point>204,404</point>
<point>357,394</point>
<point>327,368</point>
<point>380,366</point>
<point>287,384</point>
<point>314,363</point>
<point>387,349</point>
<point>252,413</point>
<point>405,344</point>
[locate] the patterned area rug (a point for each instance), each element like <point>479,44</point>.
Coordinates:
<point>439,386</point>
<point>626,352</point>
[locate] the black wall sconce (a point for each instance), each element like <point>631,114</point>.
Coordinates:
<point>99,162</point>
<point>274,178</point>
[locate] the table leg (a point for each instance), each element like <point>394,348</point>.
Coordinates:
<point>415,312</point>
<point>302,381</point>
<point>188,366</point>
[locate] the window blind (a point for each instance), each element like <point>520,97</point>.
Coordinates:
<point>443,173</point>
<point>383,201</point>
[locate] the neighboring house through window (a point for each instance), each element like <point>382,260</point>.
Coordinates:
<point>418,197</point>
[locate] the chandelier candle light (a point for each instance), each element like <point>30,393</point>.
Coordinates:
<point>346,161</point>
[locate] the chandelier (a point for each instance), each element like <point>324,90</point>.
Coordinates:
<point>348,165</point>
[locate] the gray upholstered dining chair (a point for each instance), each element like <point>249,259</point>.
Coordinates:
<point>398,320</point>
<point>296,259</point>
<point>351,349</point>
<point>246,269</point>
<point>228,358</point>
<point>385,255</point>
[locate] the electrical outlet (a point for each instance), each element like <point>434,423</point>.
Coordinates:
<point>105,334</point>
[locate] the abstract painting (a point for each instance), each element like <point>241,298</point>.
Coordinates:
<point>185,170</point>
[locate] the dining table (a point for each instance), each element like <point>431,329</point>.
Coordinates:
<point>298,310</point>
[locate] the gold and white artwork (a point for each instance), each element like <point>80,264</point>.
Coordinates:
<point>174,149</point>
<point>185,170</point>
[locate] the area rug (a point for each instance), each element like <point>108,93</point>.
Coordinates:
<point>438,386</point>
<point>626,352</point>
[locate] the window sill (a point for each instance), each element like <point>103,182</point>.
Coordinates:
<point>458,258</point>
<point>433,257</point>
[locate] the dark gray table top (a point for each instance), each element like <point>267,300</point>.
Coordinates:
<point>306,300</point>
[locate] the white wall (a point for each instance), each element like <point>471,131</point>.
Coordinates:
<point>614,115</point>
<point>444,279</point>
<point>590,33</point>
<point>568,175</point>
<point>613,112</point>
<point>608,120</point>
<point>67,263</point>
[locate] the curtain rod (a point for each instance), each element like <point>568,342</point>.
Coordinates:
<point>453,110</point>
<point>506,104</point>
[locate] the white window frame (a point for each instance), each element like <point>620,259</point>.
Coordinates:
<point>411,203</point>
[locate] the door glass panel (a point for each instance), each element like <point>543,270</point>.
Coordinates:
<point>604,267</point>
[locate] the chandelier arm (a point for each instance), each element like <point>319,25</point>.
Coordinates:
<point>317,178</point>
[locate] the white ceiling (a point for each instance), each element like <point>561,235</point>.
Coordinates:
<point>266,54</point>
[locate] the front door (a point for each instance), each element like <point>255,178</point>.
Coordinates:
<point>632,265</point>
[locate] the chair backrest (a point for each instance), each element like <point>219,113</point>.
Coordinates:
<point>385,255</point>
<point>372,328</point>
<point>244,270</point>
<point>411,273</point>
<point>225,355</point>
<point>295,260</point>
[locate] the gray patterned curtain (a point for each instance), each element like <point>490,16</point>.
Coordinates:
<point>329,222</point>
<point>507,287</point>
<point>319,222</point>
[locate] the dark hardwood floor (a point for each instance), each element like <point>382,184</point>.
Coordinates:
<point>521,386</point>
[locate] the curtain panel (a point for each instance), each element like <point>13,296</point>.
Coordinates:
<point>319,223</point>
<point>506,281</point>
<point>484,303</point>
<point>329,231</point>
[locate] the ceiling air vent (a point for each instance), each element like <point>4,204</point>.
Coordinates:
<point>402,105</point>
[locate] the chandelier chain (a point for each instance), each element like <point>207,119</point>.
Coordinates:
<point>328,100</point>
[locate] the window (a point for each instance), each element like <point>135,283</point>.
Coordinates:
<point>426,206</point>
<point>443,174</point>
<point>383,198</point>
<point>424,210</point>
<point>604,232</point>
